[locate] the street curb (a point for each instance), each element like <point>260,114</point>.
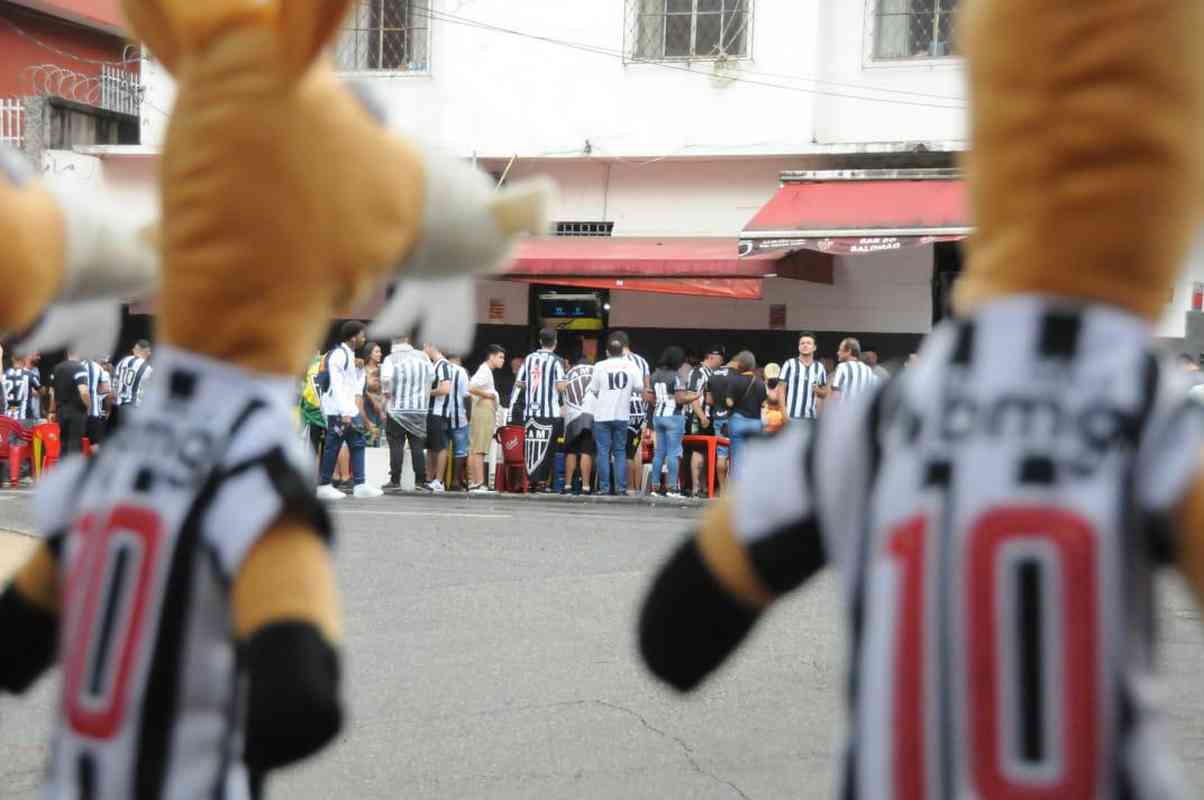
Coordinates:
<point>18,532</point>
<point>554,499</point>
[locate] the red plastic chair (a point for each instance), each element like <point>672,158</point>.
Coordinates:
<point>16,447</point>
<point>513,441</point>
<point>47,447</point>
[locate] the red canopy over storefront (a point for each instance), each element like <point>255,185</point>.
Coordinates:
<point>849,216</point>
<point>695,266</point>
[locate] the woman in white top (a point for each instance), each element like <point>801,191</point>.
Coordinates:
<point>484,417</point>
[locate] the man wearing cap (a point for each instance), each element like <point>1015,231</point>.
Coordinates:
<point>702,419</point>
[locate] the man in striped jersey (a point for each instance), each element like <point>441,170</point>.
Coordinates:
<point>639,416</point>
<point>406,377</point>
<point>23,401</point>
<point>100,394</point>
<point>702,420</point>
<point>132,372</point>
<point>852,375</point>
<point>451,412</point>
<point>542,380</point>
<point>802,382</point>
<point>438,434</point>
<point>578,427</point>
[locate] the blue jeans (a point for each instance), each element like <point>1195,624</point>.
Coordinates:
<point>338,433</point>
<point>611,438</point>
<point>740,430</point>
<point>669,431</point>
<point>460,442</point>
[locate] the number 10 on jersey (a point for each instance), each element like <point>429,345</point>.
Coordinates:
<point>1028,643</point>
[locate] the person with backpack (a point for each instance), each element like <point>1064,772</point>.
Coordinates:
<point>343,425</point>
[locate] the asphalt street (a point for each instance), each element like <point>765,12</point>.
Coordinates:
<point>491,654</point>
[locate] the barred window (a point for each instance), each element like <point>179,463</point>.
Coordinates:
<point>688,29</point>
<point>914,29</point>
<point>385,35</point>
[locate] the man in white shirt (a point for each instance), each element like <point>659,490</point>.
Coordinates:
<point>342,412</point>
<point>614,382</point>
<point>484,416</point>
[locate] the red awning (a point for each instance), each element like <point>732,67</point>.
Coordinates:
<point>694,266</point>
<point>731,288</point>
<point>858,216</point>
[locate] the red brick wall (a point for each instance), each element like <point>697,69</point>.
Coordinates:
<point>18,52</point>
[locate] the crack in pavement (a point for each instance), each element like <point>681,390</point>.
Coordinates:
<point>686,750</point>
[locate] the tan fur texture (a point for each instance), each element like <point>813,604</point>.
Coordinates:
<point>1085,165</point>
<point>34,252</point>
<point>287,577</point>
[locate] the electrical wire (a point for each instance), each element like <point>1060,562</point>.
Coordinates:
<point>952,103</point>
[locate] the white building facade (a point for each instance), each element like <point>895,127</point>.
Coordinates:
<point>665,118</point>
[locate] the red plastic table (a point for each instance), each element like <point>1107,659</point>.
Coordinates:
<point>712,445</point>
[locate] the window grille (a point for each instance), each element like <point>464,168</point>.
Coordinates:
<point>584,228</point>
<point>667,30</point>
<point>385,36</point>
<point>914,29</point>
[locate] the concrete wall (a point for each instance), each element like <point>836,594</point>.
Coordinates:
<point>497,94</point>
<point>902,92</point>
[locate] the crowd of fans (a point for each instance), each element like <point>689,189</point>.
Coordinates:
<point>586,426</point>
<point>85,397</point>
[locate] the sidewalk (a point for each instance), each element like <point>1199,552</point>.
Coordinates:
<point>554,499</point>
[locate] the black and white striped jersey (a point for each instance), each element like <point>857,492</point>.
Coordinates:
<point>443,405</point>
<point>407,376</point>
<point>851,378</point>
<point>540,373</point>
<point>152,531</point>
<point>99,387</point>
<point>639,409</point>
<point>997,531</point>
<point>698,383</point>
<point>453,407</point>
<point>800,381</point>
<point>132,372</point>
<point>665,385</point>
<point>23,385</point>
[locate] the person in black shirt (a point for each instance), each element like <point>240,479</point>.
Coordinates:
<point>71,402</point>
<point>743,394</point>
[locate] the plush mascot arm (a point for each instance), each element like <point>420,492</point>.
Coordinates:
<point>64,246</point>
<point>754,546</point>
<point>1188,545</point>
<point>287,620</point>
<point>29,610</point>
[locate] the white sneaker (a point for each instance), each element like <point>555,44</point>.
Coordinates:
<point>482,489</point>
<point>436,487</point>
<point>674,495</point>
<point>328,492</point>
<point>364,490</point>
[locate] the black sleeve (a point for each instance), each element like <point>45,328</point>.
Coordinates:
<point>689,623</point>
<point>31,642</point>
<point>293,707</point>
